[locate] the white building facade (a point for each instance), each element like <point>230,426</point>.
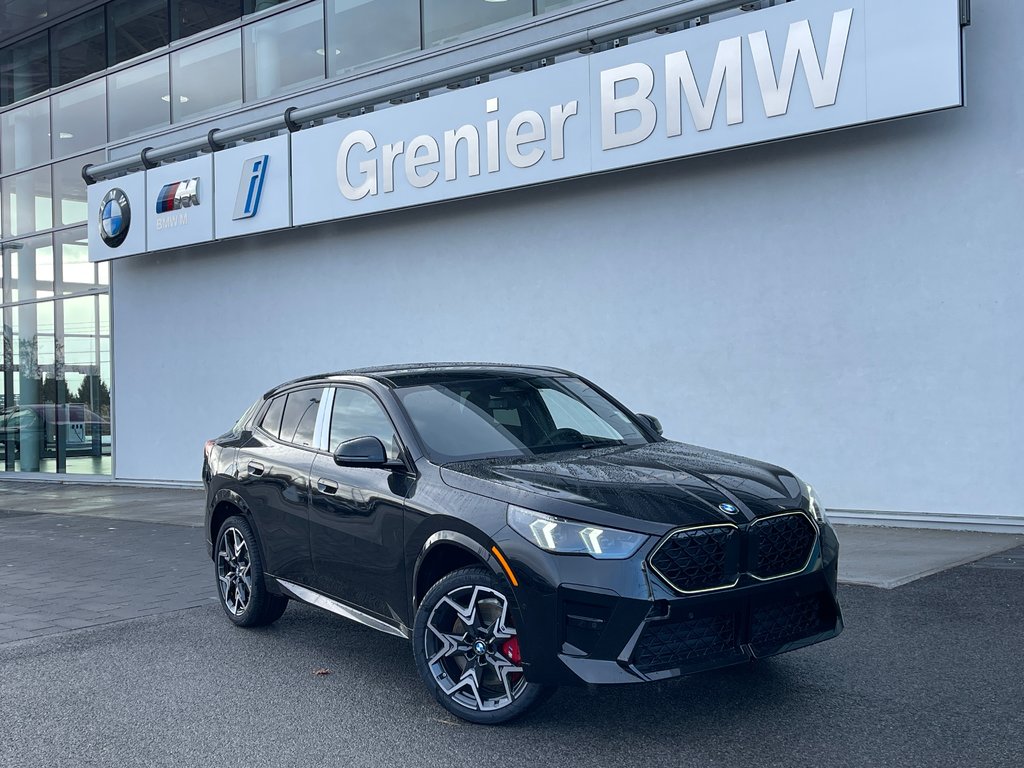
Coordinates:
<point>838,293</point>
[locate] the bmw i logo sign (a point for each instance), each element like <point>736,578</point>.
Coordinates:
<point>729,509</point>
<point>115,217</point>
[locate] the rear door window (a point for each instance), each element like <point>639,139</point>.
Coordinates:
<point>271,421</point>
<point>299,419</point>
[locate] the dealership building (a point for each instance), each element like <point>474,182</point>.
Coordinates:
<point>790,230</point>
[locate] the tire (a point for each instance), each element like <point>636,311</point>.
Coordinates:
<point>466,649</point>
<point>238,568</point>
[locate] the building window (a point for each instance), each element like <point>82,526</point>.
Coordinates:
<point>29,268</point>
<point>70,204</point>
<point>284,52</point>
<point>446,21</point>
<point>76,274</point>
<point>79,118</point>
<point>190,17</point>
<point>24,69</point>
<point>25,132</point>
<point>362,32</point>
<point>55,377</point>
<point>139,99</point>
<point>26,200</point>
<point>194,91</point>
<point>136,27</point>
<point>78,47</point>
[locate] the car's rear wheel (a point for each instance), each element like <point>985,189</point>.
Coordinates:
<point>239,569</point>
<point>467,649</point>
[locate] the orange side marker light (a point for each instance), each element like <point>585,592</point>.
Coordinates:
<point>504,565</point>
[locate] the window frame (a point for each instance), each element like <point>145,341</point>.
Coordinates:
<point>256,425</point>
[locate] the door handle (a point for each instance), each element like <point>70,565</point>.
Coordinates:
<point>326,486</point>
<point>256,468</point>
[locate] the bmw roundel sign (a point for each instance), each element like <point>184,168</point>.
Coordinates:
<point>115,217</point>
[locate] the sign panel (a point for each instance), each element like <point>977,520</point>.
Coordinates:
<point>513,132</point>
<point>253,191</point>
<point>179,203</point>
<point>793,69</point>
<point>800,70</point>
<point>117,217</point>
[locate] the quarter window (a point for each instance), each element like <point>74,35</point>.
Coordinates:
<point>358,414</point>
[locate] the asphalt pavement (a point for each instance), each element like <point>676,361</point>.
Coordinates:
<point>132,663</point>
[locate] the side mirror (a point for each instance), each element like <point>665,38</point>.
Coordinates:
<point>361,452</point>
<point>651,422</point>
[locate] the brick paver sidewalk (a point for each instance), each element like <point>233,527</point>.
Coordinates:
<point>61,572</point>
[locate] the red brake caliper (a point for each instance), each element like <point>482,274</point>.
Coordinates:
<point>510,650</point>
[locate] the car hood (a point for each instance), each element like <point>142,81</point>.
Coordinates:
<point>657,485</point>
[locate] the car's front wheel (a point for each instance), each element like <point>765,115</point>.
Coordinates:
<point>239,569</point>
<point>467,649</point>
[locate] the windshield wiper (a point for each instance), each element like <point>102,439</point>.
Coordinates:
<point>600,442</point>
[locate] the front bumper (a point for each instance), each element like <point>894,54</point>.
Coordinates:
<point>599,622</point>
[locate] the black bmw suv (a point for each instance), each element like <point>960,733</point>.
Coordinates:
<point>523,529</point>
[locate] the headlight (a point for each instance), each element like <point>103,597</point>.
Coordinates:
<point>817,509</point>
<point>565,536</point>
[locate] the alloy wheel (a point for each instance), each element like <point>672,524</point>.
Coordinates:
<point>472,649</point>
<point>234,571</point>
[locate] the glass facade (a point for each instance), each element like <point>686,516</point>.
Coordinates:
<point>24,69</point>
<point>360,34</point>
<point>24,136</point>
<point>136,27</point>
<point>364,32</point>
<point>284,52</point>
<point>79,118</point>
<point>25,200</point>
<point>138,99</point>
<point>69,191</point>
<point>189,17</point>
<point>445,21</point>
<point>193,91</point>
<point>78,48</point>
<point>55,390</point>
<point>55,382</point>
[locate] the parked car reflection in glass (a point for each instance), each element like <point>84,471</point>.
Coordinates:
<point>80,430</point>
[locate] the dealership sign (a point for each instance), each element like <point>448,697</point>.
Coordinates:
<point>795,69</point>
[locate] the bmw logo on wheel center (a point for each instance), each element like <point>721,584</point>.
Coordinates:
<point>115,217</point>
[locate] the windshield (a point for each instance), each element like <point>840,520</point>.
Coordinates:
<point>510,416</point>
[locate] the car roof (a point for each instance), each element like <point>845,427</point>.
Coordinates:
<point>410,374</point>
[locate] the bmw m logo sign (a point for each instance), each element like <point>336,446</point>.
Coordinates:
<point>250,187</point>
<point>115,217</point>
<point>180,194</point>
